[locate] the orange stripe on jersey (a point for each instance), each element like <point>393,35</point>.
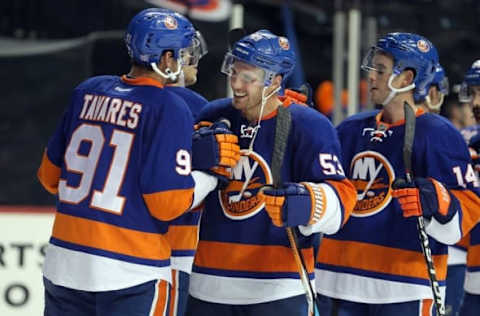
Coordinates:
<point>347,195</point>
<point>160,302</point>
<point>169,205</point>
<point>379,259</point>
<point>173,294</point>
<point>464,242</point>
<point>473,256</point>
<point>142,81</point>
<point>89,233</point>
<point>427,307</point>
<point>182,237</point>
<point>470,204</point>
<point>49,174</point>
<point>253,258</point>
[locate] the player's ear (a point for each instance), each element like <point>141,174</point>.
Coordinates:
<point>167,60</point>
<point>408,77</point>
<point>277,81</point>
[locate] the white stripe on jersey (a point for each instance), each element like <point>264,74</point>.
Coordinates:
<point>87,272</point>
<point>369,290</point>
<point>230,290</point>
<point>472,282</point>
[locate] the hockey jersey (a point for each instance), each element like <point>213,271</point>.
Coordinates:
<point>242,258</point>
<point>183,232</point>
<point>472,276</point>
<point>377,256</point>
<point>120,165</point>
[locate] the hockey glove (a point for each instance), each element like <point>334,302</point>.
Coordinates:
<point>294,204</point>
<point>426,197</point>
<point>215,149</point>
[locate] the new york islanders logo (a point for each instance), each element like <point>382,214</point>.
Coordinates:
<point>170,23</point>
<point>423,46</point>
<point>372,176</point>
<point>239,199</point>
<point>283,42</point>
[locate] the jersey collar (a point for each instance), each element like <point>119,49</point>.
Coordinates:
<point>385,126</point>
<point>142,81</point>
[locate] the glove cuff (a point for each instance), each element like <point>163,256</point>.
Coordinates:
<point>447,204</point>
<point>319,203</point>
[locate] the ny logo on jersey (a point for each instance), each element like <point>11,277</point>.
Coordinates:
<point>372,176</point>
<point>239,199</point>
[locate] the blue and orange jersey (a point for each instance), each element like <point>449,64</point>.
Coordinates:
<point>472,276</point>
<point>120,165</point>
<point>195,101</point>
<point>242,258</point>
<point>183,231</point>
<point>377,256</point>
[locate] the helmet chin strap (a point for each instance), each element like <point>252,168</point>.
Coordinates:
<point>168,73</point>
<point>260,115</point>
<point>434,106</point>
<point>394,91</point>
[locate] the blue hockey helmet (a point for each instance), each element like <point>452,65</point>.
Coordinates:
<point>440,80</point>
<point>409,51</point>
<point>154,31</point>
<point>265,50</point>
<point>472,78</point>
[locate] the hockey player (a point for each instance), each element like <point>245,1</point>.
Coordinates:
<point>182,233</point>
<point>375,265</point>
<point>120,165</point>
<point>243,264</point>
<point>437,90</point>
<point>470,93</point>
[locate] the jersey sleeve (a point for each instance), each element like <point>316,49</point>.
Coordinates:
<point>318,159</point>
<point>453,168</point>
<point>50,168</point>
<point>166,182</point>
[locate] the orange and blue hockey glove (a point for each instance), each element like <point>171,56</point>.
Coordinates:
<point>425,197</point>
<point>215,150</point>
<point>294,204</point>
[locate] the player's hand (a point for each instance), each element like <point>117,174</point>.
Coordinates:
<point>426,197</point>
<point>294,204</point>
<point>215,149</point>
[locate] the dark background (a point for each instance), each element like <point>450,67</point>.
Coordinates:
<point>36,85</point>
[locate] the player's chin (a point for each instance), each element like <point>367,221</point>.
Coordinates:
<point>191,80</point>
<point>240,103</point>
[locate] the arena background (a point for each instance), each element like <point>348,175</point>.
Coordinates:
<point>47,47</point>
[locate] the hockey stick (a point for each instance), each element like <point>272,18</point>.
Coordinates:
<point>410,120</point>
<point>282,129</point>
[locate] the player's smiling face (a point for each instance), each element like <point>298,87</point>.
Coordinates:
<point>475,91</point>
<point>378,78</point>
<point>247,85</point>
